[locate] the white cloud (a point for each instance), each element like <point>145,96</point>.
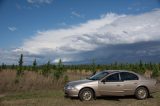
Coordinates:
<point>39,1</point>
<point>74,13</point>
<point>12,28</point>
<point>110,29</point>
<point>19,7</point>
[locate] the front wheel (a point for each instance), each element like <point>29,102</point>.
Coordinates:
<point>86,94</point>
<point>141,93</point>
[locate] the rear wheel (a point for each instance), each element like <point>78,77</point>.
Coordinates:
<point>141,93</point>
<point>86,94</point>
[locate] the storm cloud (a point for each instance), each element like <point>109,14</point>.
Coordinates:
<point>112,37</point>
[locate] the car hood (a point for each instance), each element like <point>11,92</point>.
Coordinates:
<point>79,82</point>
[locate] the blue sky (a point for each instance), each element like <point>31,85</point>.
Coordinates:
<point>53,29</point>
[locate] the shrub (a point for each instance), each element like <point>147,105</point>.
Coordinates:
<point>46,69</point>
<point>66,79</point>
<point>156,70</point>
<point>59,70</point>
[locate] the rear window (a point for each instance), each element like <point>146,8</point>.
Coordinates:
<point>128,76</point>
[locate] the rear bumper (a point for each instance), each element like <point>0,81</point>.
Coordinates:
<point>155,89</point>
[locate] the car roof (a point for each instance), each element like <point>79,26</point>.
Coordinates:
<point>113,71</point>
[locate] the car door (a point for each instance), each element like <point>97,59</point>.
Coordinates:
<point>130,82</point>
<point>111,85</point>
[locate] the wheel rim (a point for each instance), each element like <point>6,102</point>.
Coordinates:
<point>142,93</point>
<point>87,95</point>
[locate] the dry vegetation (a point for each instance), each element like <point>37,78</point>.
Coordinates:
<point>31,81</point>
<point>28,82</point>
<point>35,89</point>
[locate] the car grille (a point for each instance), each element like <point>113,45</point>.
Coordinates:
<point>65,87</point>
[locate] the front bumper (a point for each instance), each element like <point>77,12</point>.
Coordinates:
<point>71,93</point>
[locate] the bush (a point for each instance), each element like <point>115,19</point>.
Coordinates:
<point>46,69</point>
<point>59,70</point>
<point>156,70</point>
<point>66,79</point>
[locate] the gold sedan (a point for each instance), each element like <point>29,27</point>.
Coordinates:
<point>111,83</point>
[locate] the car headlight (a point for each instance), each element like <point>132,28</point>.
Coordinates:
<point>69,87</point>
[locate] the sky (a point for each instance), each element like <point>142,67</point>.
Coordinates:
<point>78,31</point>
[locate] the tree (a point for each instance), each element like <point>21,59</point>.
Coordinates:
<point>93,67</point>
<point>20,68</point>
<point>46,69</point>
<point>13,67</point>
<point>4,66</point>
<point>59,70</point>
<point>142,66</point>
<point>116,65</point>
<point>34,66</point>
<point>0,68</point>
<point>156,70</point>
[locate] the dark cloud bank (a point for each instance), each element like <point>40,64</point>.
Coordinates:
<point>122,53</point>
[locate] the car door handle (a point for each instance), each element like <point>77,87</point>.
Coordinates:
<point>118,85</point>
<point>135,83</point>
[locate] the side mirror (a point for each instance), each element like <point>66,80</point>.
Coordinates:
<point>103,81</point>
<point>87,77</point>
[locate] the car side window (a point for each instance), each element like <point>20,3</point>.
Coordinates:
<point>128,76</point>
<point>113,78</point>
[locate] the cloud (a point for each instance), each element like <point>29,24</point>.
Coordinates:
<point>12,28</point>
<point>103,34</point>
<point>146,51</point>
<point>11,56</point>
<point>19,7</point>
<point>33,4</point>
<point>36,4</point>
<point>39,1</point>
<point>74,13</point>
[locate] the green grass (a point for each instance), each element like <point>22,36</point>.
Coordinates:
<point>56,98</point>
<point>32,95</point>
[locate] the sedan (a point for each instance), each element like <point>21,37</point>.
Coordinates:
<point>111,83</point>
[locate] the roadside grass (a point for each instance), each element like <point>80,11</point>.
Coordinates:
<point>56,98</point>
<point>32,94</point>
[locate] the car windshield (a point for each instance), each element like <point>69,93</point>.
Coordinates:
<point>98,76</point>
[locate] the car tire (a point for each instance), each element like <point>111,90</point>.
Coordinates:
<point>141,93</point>
<point>86,94</point>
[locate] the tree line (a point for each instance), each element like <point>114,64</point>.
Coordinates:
<point>58,69</point>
